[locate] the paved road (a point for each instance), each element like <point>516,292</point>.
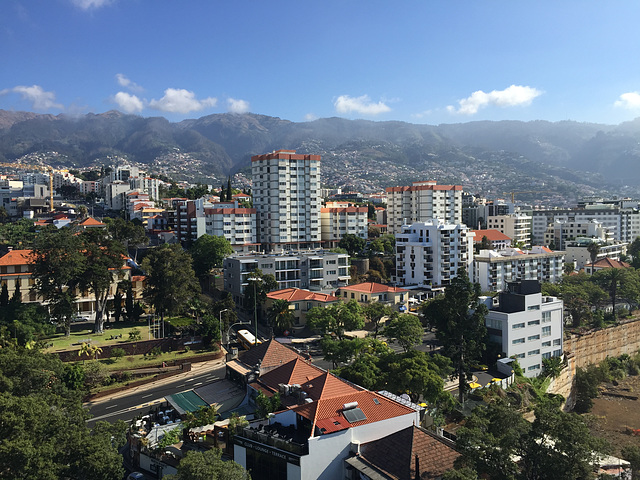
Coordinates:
<point>128,404</point>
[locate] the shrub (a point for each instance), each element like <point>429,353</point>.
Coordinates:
<point>117,353</point>
<point>187,348</point>
<point>155,351</point>
<point>134,335</point>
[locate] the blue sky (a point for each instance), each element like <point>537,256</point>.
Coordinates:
<point>427,61</point>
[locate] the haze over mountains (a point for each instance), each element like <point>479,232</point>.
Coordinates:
<point>539,155</point>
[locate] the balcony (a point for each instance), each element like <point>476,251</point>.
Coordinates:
<point>288,438</point>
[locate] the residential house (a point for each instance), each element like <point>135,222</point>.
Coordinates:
<point>301,301</point>
<point>370,292</point>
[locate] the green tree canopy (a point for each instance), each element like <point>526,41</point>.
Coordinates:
<point>209,251</point>
<point>171,281</point>
<point>336,318</point>
<point>406,330</point>
<point>208,465</point>
<point>374,312</point>
<point>458,318</point>
<point>280,315</point>
<point>353,244</point>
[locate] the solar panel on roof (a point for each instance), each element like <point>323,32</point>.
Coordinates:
<point>354,415</point>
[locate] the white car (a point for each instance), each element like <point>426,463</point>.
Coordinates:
<point>135,476</point>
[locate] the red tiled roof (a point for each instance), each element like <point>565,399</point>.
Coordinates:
<point>609,263</point>
<point>343,210</point>
<point>327,413</point>
<point>328,385</point>
<point>491,234</point>
<point>90,221</point>
<point>137,278</point>
<point>435,455</point>
<point>294,372</point>
<point>372,287</point>
<point>16,257</point>
<point>298,294</point>
<point>271,354</point>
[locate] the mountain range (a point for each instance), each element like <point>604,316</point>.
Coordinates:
<point>536,155</point>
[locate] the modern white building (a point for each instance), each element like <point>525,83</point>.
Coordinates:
<point>421,202</point>
<point>560,233</point>
<point>430,253</point>
<point>314,270</point>
<point>286,196</point>
<point>528,325</point>
<point>236,224</point>
<point>494,269</point>
<point>578,253</point>
<point>515,226</point>
<point>338,219</point>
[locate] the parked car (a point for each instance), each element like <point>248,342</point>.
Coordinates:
<point>135,476</point>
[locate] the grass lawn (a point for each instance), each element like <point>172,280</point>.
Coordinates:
<point>140,361</point>
<point>83,332</point>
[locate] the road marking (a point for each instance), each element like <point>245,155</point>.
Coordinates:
<point>145,396</point>
<point>190,380</point>
<point>111,406</point>
<point>196,384</point>
<point>183,385</point>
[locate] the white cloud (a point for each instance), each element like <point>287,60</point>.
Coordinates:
<point>128,103</point>
<point>123,81</point>
<point>310,117</point>
<point>509,97</point>
<point>362,105</point>
<point>629,100</point>
<point>238,106</point>
<point>89,4</point>
<point>40,99</point>
<point>179,100</point>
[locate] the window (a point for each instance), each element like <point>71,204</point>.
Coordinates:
<point>533,307</point>
<point>534,352</point>
<point>534,367</point>
<point>546,355</point>
<point>546,344</point>
<point>546,317</point>
<point>517,341</point>
<point>494,323</point>
<point>533,337</point>
<point>518,325</point>
<point>557,341</point>
<point>533,322</point>
<point>519,355</point>
<point>557,353</point>
<point>546,331</point>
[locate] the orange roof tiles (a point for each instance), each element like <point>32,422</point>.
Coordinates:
<point>327,413</point>
<point>372,287</point>
<point>491,234</point>
<point>609,263</point>
<point>91,222</point>
<point>328,385</point>
<point>298,294</point>
<point>16,257</point>
<point>294,372</point>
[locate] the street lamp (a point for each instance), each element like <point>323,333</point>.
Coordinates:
<point>221,333</point>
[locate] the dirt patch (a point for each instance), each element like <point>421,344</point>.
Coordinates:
<point>614,417</point>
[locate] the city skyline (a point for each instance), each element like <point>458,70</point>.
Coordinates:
<point>424,62</point>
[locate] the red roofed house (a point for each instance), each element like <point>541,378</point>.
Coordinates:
<point>499,241</point>
<point>91,222</point>
<point>604,263</point>
<point>301,302</point>
<point>369,292</point>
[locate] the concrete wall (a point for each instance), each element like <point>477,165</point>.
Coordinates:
<point>596,345</point>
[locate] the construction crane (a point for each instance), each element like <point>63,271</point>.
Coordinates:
<point>513,194</point>
<point>45,168</point>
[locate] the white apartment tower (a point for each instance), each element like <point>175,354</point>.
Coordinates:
<point>421,202</point>
<point>429,254</point>
<point>286,196</point>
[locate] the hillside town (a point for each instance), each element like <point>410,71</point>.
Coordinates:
<point>285,328</point>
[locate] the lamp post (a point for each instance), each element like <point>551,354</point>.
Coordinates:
<point>221,333</point>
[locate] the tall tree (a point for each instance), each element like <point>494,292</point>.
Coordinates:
<point>458,318</point>
<point>618,283</point>
<point>406,330</point>
<point>4,295</point>
<point>209,251</point>
<point>593,248</point>
<point>258,285</point>
<point>336,318</point>
<point>58,265</point>
<point>353,244</point>
<point>229,191</point>
<point>171,281</point>
<point>103,269</point>
<point>128,233</point>
<point>374,312</point>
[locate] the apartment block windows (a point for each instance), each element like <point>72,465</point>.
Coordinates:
<point>546,331</point>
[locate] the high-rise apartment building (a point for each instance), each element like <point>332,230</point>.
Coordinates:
<point>286,196</point>
<point>421,202</point>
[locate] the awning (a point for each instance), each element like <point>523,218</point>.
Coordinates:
<point>186,402</point>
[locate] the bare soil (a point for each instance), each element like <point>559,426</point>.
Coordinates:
<point>614,418</point>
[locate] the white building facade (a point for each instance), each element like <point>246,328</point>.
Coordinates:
<point>430,253</point>
<point>515,226</point>
<point>528,325</point>
<point>286,196</point>
<point>493,269</point>
<point>421,202</point>
<point>338,219</point>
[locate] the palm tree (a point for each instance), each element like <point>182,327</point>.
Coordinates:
<point>280,316</point>
<point>593,248</point>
